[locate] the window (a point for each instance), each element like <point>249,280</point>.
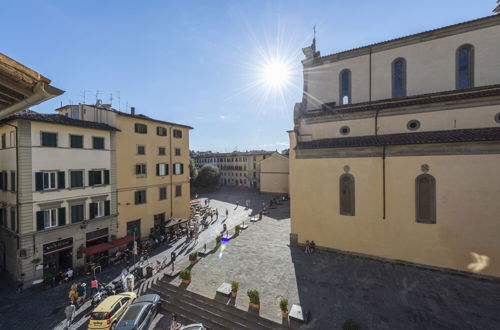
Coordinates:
<point>141,150</point>
<point>161,169</point>
<point>12,138</point>
<point>161,151</point>
<point>98,177</point>
<point>4,139</point>
<point>347,194</point>
<point>161,131</point>
<point>140,197</point>
<point>50,218</point>
<point>140,128</point>
<point>99,209</point>
<point>425,186</point>
<point>49,139</point>
<point>77,213</point>
<point>178,168</point>
<point>177,151</point>
<point>399,78</point>
<point>345,87</point>
<point>163,193</point>
<point>140,169</point>
<point>12,181</point>
<point>413,125</point>
<point>49,180</point>
<point>465,67</point>
<point>178,190</point>
<point>13,218</point>
<point>177,133</point>
<point>97,142</point>
<point>76,141</point>
<point>76,179</point>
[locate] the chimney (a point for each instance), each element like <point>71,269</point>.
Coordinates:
<point>132,111</point>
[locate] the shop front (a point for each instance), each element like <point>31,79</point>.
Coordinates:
<point>58,256</point>
<point>134,228</point>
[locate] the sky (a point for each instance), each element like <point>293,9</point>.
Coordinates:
<point>200,63</point>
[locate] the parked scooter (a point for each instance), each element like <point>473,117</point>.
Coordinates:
<point>102,293</point>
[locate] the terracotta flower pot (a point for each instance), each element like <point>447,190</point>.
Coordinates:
<point>193,261</point>
<point>256,306</point>
<point>284,314</point>
<point>234,293</point>
<point>186,281</point>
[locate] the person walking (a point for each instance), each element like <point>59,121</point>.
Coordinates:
<point>94,285</point>
<point>20,283</point>
<point>172,259</point>
<point>80,289</point>
<point>216,214</point>
<point>227,213</point>
<point>70,311</point>
<point>73,295</point>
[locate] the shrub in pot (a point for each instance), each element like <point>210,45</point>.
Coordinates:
<point>185,276</point>
<point>237,229</point>
<point>234,288</point>
<point>253,295</point>
<point>284,307</point>
<point>218,240</point>
<point>193,257</point>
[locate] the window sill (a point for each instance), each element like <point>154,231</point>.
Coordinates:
<point>141,176</point>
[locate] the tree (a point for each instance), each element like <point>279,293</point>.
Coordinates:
<point>207,177</point>
<point>193,171</point>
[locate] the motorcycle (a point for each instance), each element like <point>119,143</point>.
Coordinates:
<point>102,293</point>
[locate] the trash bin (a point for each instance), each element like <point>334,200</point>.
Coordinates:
<point>149,271</point>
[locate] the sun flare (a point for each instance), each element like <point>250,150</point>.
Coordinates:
<point>275,74</point>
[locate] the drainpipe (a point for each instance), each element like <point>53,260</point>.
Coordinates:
<point>41,92</point>
<point>17,178</point>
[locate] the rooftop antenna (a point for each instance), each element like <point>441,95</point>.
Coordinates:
<point>119,103</point>
<point>314,37</point>
<point>97,92</point>
<point>84,95</point>
<point>111,99</point>
<point>126,106</point>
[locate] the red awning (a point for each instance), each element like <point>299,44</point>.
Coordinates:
<point>122,241</point>
<point>95,249</point>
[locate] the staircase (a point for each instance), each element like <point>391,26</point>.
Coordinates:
<point>194,308</point>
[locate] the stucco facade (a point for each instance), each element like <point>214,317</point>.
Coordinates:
<point>147,143</point>
<point>410,178</point>
<point>274,174</point>
<point>47,198</point>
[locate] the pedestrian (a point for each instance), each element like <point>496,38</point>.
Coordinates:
<point>69,274</point>
<point>308,247</point>
<point>20,283</point>
<point>227,213</point>
<point>237,204</point>
<point>216,214</point>
<point>94,285</point>
<point>73,295</point>
<point>70,311</point>
<point>172,259</point>
<point>80,289</point>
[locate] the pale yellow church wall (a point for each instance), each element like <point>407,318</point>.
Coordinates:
<point>467,208</point>
<point>468,117</point>
<point>430,68</point>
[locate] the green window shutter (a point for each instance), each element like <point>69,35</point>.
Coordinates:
<point>61,184</point>
<point>136,197</point>
<point>166,172</point>
<point>92,209</point>
<point>61,216</point>
<point>106,176</point>
<point>39,181</point>
<point>1,181</point>
<point>39,221</point>
<point>157,169</point>
<point>91,178</point>
<point>5,178</point>
<point>107,207</point>
<point>182,168</point>
<point>2,220</point>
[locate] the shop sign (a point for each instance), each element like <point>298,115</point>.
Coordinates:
<point>58,245</point>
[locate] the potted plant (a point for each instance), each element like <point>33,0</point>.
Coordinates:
<point>284,307</point>
<point>234,288</point>
<point>218,240</point>
<point>36,261</point>
<point>253,295</point>
<point>193,258</point>
<point>48,280</point>
<point>185,276</point>
<point>237,229</point>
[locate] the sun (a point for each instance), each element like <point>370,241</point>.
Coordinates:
<point>275,74</point>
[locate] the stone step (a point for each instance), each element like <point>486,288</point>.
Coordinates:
<point>184,316</point>
<point>197,314</point>
<point>254,321</point>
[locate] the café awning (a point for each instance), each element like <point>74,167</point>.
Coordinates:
<point>95,249</point>
<point>175,222</point>
<point>122,241</point>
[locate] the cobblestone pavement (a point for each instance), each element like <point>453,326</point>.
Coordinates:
<point>335,287</point>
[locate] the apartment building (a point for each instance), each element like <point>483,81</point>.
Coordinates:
<point>396,148</point>
<point>55,192</point>
<point>274,174</point>
<point>152,167</point>
<point>236,168</point>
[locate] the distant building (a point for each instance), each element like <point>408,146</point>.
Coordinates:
<point>55,192</point>
<point>236,168</point>
<point>396,149</point>
<point>274,174</point>
<point>152,162</point>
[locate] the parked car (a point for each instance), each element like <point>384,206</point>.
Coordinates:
<point>140,314</point>
<point>195,326</point>
<point>107,313</point>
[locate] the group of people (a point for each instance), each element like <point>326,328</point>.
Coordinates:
<point>77,295</point>
<point>63,277</point>
<point>310,247</point>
